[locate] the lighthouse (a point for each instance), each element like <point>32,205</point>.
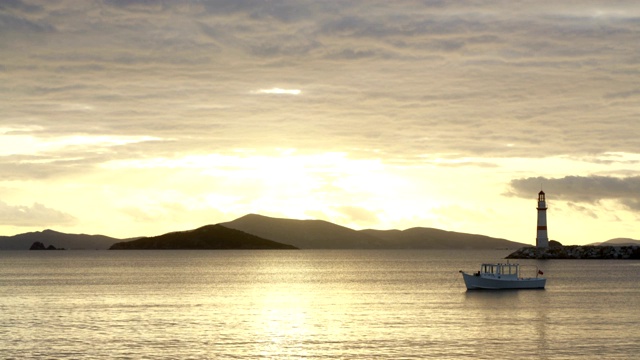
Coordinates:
<point>542,239</point>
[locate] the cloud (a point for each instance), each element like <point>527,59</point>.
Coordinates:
<point>34,215</point>
<point>585,189</point>
<point>407,78</point>
<point>582,209</point>
<point>28,153</point>
<point>278,91</point>
<point>21,26</point>
<point>29,167</point>
<point>460,162</point>
<point>358,215</point>
<point>633,93</point>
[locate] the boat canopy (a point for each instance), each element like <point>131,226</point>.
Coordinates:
<point>499,269</point>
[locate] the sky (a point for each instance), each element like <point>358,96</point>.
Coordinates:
<point>139,117</point>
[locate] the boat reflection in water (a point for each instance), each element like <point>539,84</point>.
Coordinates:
<point>501,277</point>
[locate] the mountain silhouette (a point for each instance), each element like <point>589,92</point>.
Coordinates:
<point>618,242</point>
<point>318,234</point>
<point>305,234</point>
<point>429,238</point>
<point>207,237</point>
<point>58,240</point>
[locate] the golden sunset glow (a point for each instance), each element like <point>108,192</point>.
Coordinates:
<point>127,118</point>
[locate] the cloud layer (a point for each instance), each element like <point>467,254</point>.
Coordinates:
<point>34,215</point>
<point>406,77</point>
<point>586,189</point>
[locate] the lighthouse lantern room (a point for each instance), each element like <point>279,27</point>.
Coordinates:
<point>542,238</point>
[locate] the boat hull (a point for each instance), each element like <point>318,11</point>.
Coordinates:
<point>474,282</point>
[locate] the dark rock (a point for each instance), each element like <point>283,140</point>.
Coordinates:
<point>40,246</point>
<point>554,244</point>
<point>37,246</point>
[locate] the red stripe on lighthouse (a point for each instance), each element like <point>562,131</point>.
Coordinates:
<point>542,228</point>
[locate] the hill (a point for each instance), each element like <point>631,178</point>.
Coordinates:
<point>213,237</point>
<point>618,242</point>
<point>430,238</point>
<point>305,234</point>
<point>57,239</point>
<point>318,234</point>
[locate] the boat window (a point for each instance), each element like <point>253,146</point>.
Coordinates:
<point>488,269</point>
<point>501,269</point>
<point>510,269</point>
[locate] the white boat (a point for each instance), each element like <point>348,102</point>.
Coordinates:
<point>501,276</point>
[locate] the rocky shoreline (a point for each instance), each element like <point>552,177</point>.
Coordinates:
<point>577,252</point>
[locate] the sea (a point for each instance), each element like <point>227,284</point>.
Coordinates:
<point>309,304</point>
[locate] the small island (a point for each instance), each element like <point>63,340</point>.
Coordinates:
<point>210,237</point>
<point>40,246</point>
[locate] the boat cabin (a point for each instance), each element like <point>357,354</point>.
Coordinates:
<point>499,271</point>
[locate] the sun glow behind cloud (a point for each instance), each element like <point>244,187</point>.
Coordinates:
<point>325,185</point>
<point>278,91</point>
<point>14,144</point>
<point>334,186</point>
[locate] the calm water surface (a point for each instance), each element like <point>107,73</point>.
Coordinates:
<point>307,305</point>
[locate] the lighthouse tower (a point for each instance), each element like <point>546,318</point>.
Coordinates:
<point>542,239</point>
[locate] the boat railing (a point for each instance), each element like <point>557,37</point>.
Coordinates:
<point>533,271</point>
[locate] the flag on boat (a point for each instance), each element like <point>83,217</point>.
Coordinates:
<point>540,272</point>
